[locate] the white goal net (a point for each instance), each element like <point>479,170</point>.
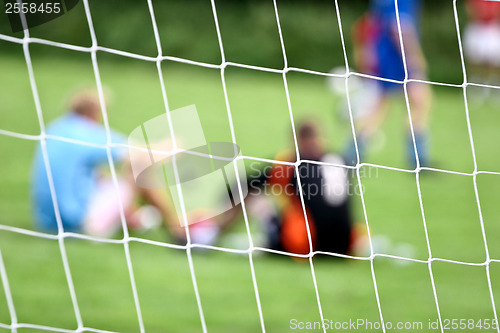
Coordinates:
<point>62,236</point>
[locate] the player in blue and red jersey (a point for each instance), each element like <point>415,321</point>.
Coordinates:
<point>385,59</point>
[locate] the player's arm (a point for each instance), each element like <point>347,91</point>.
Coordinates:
<point>361,52</point>
<point>472,9</point>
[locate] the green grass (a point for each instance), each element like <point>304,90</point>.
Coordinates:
<point>262,128</point>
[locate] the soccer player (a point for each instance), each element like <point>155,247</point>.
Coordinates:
<point>482,39</point>
<point>385,60</point>
<point>325,193</point>
<point>86,198</point>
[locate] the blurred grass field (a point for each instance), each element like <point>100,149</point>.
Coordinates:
<point>262,128</point>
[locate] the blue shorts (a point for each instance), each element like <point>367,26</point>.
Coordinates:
<point>390,64</point>
<point>388,49</point>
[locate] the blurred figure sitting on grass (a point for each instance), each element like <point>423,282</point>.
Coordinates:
<point>325,194</point>
<point>87,198</point>
<point>325,191</point>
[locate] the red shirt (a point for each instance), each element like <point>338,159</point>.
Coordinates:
<point>484,11</point>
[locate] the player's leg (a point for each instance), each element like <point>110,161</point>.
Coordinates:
<point>494,55</point>
<point>480,50</point>
<point>373,121</point>
<point>365,128</point>
<point>103,217</point>
<point>420,96</point>
<point>162,201</point>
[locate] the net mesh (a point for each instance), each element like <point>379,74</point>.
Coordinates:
<point>125,241</point>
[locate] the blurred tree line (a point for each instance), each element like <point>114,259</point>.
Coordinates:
<point>248,29</point>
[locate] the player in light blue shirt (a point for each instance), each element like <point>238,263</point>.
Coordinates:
<point>74,166</point>
<point>88,200</point>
